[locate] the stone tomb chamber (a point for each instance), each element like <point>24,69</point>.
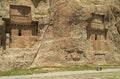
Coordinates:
<point>21,31</point>
<point>97,34</point>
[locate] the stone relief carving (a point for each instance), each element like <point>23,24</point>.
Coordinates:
<point>73,54</point>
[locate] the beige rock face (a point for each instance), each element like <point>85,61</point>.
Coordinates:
<point>82,33</point>
<point>72,32</point>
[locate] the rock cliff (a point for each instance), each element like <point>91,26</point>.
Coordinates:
<point>71,32</point>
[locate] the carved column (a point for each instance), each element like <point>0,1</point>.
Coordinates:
<point>7,40</point>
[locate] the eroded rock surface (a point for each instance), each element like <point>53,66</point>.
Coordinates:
<point>71,32</point>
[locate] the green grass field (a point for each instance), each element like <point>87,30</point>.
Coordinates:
<point>47,69</point>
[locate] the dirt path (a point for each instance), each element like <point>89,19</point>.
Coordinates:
<point>55,74</point>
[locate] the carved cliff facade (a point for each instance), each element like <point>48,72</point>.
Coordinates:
<point>21,31</point>
<point>59,32</point>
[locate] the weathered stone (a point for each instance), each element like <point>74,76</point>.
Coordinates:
<point>70,32</point>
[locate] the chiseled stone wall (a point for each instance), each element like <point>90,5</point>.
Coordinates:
<point>63,35</point>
